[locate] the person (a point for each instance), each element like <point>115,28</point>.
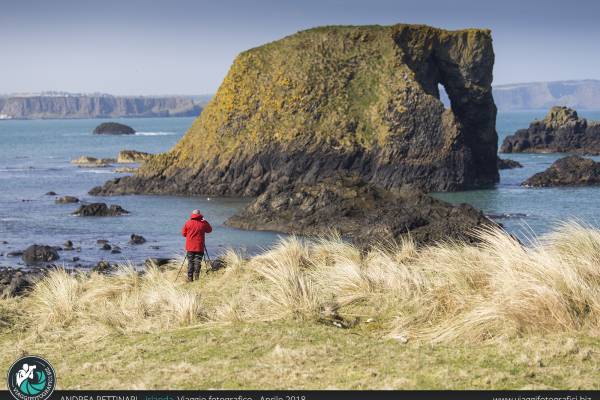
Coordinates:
<point>194,230</point>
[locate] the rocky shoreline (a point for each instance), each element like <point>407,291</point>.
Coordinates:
<point>360,212</point>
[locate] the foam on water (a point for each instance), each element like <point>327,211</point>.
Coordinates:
<point>155,133</point>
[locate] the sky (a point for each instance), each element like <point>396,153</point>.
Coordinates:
<point>186,47</point>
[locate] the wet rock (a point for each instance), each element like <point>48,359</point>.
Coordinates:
<point>359,211</point>
<point>113,128</point>
<point>103,267</point>
<point>106,246</point>
<point>567,171</point>
<point>561,131</point>
<point>132,156</point>
<point>51,193</point>
<point>66,200</point>
<point>136,239</point>
<point>100,210</point>
<point>68,245</point>
<point>16,253</point>
<point>101,241</point>
<point>38,254</point>
<point>14,282</point>
<point>505,163</point>
<point>74,259</point>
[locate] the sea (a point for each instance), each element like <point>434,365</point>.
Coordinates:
<point>35,158</point>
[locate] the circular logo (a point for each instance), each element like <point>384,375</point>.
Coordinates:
<point>31,378</point>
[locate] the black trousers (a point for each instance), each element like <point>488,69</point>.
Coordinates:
<point>194,261</point>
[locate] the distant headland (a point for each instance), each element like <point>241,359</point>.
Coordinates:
<point>56,105</point>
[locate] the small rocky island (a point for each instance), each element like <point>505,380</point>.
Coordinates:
<point>359,211</point>
<point>561,131</point>
<point>567,171</point>
<point>505,163</point>
<point>113,128</point>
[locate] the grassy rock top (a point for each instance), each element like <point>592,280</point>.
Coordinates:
<point>327,81</point>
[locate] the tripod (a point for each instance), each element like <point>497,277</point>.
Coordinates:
<point>180,268</point>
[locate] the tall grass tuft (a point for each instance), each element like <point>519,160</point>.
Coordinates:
<point>447,292</point>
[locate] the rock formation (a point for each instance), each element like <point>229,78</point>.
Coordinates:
<point>66,200</point>
<point>359,211</point>
<point>505,163</point>
<point>132,156</point>
<point>37,253</point>
<point>361,100</point>
<point>113,128</point>
<point>561,131</point>
<point>15,282</point>
<point>100,210</point>
<point>567,171</point>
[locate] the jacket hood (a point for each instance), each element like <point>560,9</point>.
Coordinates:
<point>196,216</point>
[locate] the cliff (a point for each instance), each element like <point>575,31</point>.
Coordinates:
<point>561,131</point>
<point>95,106</point>
<point>362,100</point>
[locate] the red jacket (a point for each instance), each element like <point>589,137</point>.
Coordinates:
<point>194,230</point>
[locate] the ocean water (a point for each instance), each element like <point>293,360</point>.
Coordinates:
<point>35,158</point>
<point>528,212</point>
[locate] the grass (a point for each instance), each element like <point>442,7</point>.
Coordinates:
<point>322,314</point>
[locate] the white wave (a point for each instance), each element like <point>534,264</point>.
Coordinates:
<point>155,133</point>
<point>97,171</point>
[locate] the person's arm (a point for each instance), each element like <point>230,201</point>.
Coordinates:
<point>184,230</point>
<point>207,227</point>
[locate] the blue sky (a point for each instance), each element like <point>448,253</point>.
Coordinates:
<point>186,47</point>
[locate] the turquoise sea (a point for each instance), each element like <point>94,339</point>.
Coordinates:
<point>35,158</point>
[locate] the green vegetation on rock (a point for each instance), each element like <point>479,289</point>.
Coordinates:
<point>363,97</point>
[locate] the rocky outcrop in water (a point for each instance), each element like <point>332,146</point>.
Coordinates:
<point>96,106</point>
<point>113,128</point>
<point>37,253</point>
<point>136,239</point>
<point>505,163</point>
<point>100,210</point>
<point>132,156</point>
<point>66,200</point>
<point>561,131</point>
<point>359,211</point>
<point>360,100</point>
<point>567,171</point>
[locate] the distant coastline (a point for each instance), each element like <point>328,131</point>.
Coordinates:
<point>581,94</point>
<point>62,105</point>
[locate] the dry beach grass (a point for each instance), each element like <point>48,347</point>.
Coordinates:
<point>321,313</point>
